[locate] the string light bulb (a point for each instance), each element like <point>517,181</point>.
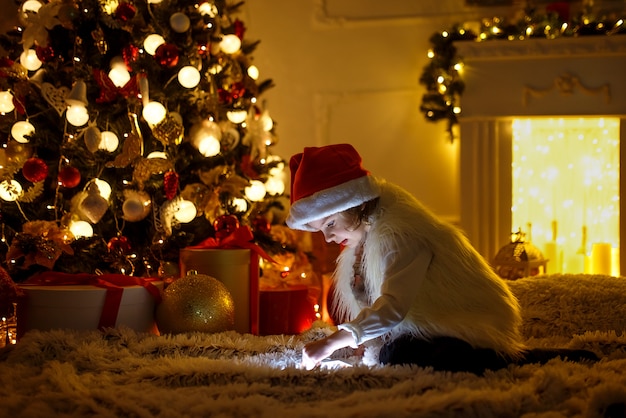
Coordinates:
<point>10,190</point>
<point>189,77</point>
<point>81,229</point>
<point>77,115</point>
<point>152,42</point>
<point>255,191</point>
<point>186,211</point>
<point>108,141</point>
<point>119,76</point>
<point>154,113</point>
<point>30,6</point>
<point>230,44</point>
<point>237,116</point>
<point>20,131</point>
<point>29,60</point>
<point>6,102</point>
<point>103,187</point>
<point>205,136</point>
<point>253,72</point>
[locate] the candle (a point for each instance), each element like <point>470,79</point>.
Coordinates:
<point>601,258</point>
<point>551,253</point>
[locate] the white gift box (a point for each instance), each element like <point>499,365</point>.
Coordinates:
<point>80,307</point>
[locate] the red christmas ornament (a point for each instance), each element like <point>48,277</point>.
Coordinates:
<point>225,225</point>
<point>119,245</point>
<point>240,29</point>
<point>44,53</point>
<point>35,169</point>
<point>170,184</point>
<point>166,55</point>
<point>261,224</point>
<point>69,177</point>
<point>125,12</point>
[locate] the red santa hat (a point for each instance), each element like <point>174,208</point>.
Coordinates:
<point>327,180</point>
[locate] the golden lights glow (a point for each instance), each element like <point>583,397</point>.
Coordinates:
<point>566,191</point>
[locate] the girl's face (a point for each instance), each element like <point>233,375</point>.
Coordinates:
<point>337,228</point>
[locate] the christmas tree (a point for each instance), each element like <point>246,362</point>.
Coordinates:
<point>130,130</point>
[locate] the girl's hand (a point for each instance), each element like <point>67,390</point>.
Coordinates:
<point>314,352</point>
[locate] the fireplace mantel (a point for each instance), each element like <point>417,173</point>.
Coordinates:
<point>500,74</point>
<point>569,76</point>
<point>539,48</point>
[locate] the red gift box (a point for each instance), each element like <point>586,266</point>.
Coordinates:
<point>285,310</point>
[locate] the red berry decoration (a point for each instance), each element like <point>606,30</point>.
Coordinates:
<point>69,177</point>
<point>130,53</point>
<point>225,225</point>
<point>203,49</point>
<point>166,55</point>
<point>119,245</point>
<point>35,169</point>
<point>170,184</point>
<point>125,12</point>
<point>237,90</point>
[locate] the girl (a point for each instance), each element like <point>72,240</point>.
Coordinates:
<point>403,274</point>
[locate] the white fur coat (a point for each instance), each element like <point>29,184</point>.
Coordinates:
<point>460,295</point>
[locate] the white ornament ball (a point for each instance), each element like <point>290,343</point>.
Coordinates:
<point>136,205</point>
<point>179,22</point>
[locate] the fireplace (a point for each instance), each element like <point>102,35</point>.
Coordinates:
<point>512,82</point>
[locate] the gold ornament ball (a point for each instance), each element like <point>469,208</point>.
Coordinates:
<point>195,303</point>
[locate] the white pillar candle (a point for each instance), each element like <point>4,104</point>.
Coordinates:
<point>601,258</point>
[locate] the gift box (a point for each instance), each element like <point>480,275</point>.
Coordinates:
<point>85,302</point>
<point>238,270</point>
<point>285,310</point>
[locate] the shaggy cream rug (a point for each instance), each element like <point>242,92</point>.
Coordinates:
<point>121,373</point>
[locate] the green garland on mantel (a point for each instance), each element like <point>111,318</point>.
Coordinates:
<point>442,75</point>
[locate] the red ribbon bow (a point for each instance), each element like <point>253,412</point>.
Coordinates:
<point>113,283</point>
<point>241,237</point>
<point>109,91</point>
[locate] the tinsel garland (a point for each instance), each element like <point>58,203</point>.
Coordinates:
<point>442,76</point>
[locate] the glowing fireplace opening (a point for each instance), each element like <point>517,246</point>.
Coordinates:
<point>566,191</point>
<point>551,113</point>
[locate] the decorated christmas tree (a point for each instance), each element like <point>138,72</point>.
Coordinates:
<point>130,130</point>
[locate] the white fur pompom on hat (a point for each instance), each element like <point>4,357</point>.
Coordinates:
<point>327,180</point>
